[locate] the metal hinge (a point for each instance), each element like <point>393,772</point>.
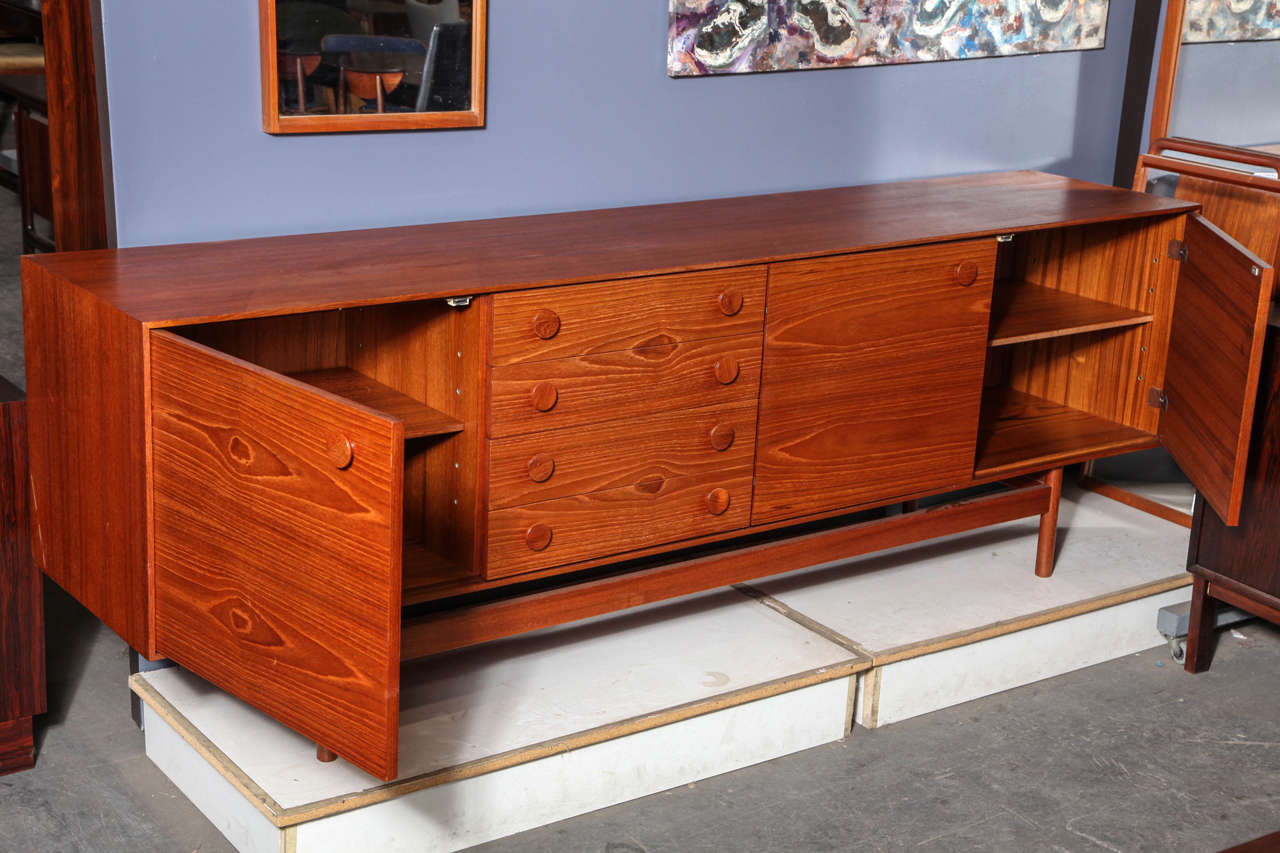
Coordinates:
<point>1177,250</point>
<point>1156,399</point>
<point>458,301</point>
<point>1004,238</point>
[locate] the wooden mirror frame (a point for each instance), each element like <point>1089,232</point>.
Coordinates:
<point>275,123</point>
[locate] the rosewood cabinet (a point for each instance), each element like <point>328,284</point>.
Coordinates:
<point>291,463</point>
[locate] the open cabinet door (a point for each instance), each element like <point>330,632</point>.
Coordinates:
<point>1215,354</point>
<point>278,525</point>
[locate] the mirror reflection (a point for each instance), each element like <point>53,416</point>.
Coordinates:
<point>338,57</point>
<point>1228,79</point>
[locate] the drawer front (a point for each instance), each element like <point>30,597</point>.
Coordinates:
<point>561,463</point>
<point>558,322</point>
<point>568,392</point>
<point>600,524</point>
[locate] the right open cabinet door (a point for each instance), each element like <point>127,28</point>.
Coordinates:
<point>1215,353</point>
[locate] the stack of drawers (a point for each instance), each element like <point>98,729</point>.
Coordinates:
<point>622,416</point>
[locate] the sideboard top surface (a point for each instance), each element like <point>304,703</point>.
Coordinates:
<point>202,282</point>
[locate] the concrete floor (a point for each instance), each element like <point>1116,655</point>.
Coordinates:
<point>1129,755</point>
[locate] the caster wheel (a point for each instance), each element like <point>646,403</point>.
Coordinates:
<point>1178,649</point>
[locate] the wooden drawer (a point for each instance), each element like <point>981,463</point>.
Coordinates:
<point>570,530</point>
<point>561,463</point>
<point>557,322</point>
<point>567,392</point>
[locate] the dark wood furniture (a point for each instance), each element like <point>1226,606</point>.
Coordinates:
<point>290,463</point>
<point>34,180</point>
<point>22,665</point>
<point>1240,566</point>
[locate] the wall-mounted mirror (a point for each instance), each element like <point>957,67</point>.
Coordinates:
<point>1219,76</point>
<point>345,65</point>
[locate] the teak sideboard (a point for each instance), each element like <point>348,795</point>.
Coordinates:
<point>290,463</point>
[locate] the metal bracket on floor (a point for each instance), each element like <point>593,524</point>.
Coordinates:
<point>1174,622</point>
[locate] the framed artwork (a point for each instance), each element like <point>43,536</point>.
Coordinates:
<point>741,36</point>
<point>1230,20</point>
<point>347,65</point>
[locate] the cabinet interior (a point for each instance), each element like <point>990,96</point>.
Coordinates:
<point>421,362</point>
<point>1079,326</point>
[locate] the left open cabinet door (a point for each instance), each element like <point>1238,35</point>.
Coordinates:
<point>277,531</point>
<point>1219,325</point>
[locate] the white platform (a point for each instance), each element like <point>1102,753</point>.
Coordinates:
<point>528,731</point>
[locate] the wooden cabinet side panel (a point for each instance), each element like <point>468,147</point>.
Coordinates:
<point>278,573</point>
<point>22,656</point>
<point>872,377</point>
<point>86,438</point>
<point>1249,215</point>
<point>1250,553</point>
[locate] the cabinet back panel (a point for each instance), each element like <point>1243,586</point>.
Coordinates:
<point>1103,373</point>
<point>291,344</point>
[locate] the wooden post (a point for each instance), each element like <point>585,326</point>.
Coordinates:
<point>1200,633</point>
<point>325,755</point>
<point>1049,525</point>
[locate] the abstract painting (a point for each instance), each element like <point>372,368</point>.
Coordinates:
<point>741,36</point>
<point>1230,20</point>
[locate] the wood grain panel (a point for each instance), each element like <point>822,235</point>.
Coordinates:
<point>561,463</point>
<point>244,278</point>
<point>88,456</point>
<point>1021,312</point>
<point>75,146</point>
<point>1250,216</point>
<point>872,377</point>
<point>1022,433</point>
<point>1105,373</point>
<point>1215,354</point>
<point>1250,552</point>
<point>451,629</point>
<point>614,315</point>
<point>22,656</point>
<point>615,521</point>
<point>277,573</point>
<point>294,343</point>
<point>624,384</point>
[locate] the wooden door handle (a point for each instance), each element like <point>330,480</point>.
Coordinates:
<point>717,501</point>
<point>730,302</point>
<point>339,451</point>
<point>546,324</point>
<point>726,369</point>
<point>722,436</point>
<point>966,273</point>
<point>541,467</point>
<point>544,396</point>
<point>537,537</point>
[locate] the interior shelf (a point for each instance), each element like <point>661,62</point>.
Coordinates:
<point>1020,432</point>
<point>419,418</point>
<point>1021,311</point>
<point>422,568</point>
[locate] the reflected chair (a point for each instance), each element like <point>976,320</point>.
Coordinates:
<point>446,78</point>
<point>300,25</point>
<point>371,67</point>
<point>424,17</point>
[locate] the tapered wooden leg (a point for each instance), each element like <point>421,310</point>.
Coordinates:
<point>342,90</point>
<point>325,755</point>
<point>377,84</point>
<point>1049,525</point>
<point>1200,633</point>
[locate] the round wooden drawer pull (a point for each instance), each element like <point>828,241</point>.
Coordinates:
<point>537,537</point>
<point>966,273</point>
<point>717,501</point>
<point>339,451</point>
<point>546,324</point>
<point>722,436</point>
<point>730,302</point>
<point>544,396</point>
<point>541,467</point>
<point>726,370</point>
